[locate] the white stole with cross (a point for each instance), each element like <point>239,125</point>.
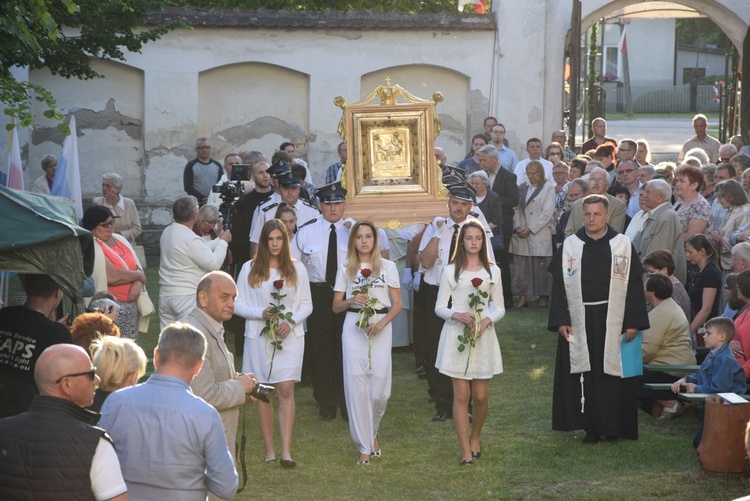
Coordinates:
<point>620,247</point>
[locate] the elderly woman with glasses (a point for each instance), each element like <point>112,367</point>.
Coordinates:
<point>116,267</point>
<point>733,198</point>
<point>127,222</point>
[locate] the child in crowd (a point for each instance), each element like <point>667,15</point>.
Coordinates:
<point>719,372</point>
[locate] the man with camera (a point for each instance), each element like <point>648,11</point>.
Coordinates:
<point>214,198</point>
<point>170,442</point>
<point>218,382</point>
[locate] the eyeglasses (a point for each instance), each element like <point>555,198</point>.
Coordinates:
<point>107,224</point>
<point>107,310</point>
<point>202,147</point>
<point>91,374</point>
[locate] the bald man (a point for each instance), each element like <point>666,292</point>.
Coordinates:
<point>54,451</point>
<point>217,382</point>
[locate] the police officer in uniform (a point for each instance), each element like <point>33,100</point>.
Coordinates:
<point>289,188</point>
<point>434,254</point>
<point>321,246</point>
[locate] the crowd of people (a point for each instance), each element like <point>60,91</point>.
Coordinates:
<point>311,295</point>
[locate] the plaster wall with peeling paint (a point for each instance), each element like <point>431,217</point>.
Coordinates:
<point>251,90</point>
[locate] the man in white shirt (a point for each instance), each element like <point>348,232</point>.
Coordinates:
<point>701,140</point>
<point>534,149</point>
<point>321,245</point>
<point>289,189</point>
<point>185,258</point>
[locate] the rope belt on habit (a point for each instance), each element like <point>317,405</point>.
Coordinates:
<point>595,303</point>
<point>381,312</point>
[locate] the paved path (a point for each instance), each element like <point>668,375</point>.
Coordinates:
<point>664,135</point>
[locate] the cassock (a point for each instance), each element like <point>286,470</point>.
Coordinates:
<point>610,401</point>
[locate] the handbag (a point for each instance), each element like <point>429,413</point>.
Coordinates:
<point>145,305</point>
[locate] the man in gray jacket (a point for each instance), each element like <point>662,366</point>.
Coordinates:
<point>218,382</point>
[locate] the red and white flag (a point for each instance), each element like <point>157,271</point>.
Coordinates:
<point>479,5</point>
<point>15,170</point>
<point>622,45</point>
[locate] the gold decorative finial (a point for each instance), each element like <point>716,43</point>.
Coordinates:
<point>388,94</point>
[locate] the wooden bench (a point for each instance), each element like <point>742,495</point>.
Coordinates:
<point>688,397</point>
<point>688,369</point>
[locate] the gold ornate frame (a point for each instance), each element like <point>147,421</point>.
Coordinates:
<point>391,176</point>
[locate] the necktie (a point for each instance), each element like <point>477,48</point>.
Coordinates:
<point>331,260</point>
<point>453,240</point>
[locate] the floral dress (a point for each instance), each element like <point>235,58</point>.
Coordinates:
<point>699,209</point>
<point>484,359</point>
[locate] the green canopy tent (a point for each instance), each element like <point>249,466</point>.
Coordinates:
<point>40,234</point>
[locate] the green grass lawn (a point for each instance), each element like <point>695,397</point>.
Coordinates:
<point>522,458</point>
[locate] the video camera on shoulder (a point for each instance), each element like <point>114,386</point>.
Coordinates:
<point>231,191</point>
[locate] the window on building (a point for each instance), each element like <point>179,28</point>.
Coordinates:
<point>612,63</point>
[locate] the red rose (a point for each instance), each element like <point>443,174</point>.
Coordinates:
<point>476,282</point>
<point>366,272</point>
<point>278,284</point>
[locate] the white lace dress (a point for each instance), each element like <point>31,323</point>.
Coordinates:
<point>484,360</point>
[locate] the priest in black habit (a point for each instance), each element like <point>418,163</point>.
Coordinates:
<point>597,294</point>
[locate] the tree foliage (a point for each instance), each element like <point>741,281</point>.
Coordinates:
<point>62,36</point>
<point>700,32</point>
<point>409,6</point>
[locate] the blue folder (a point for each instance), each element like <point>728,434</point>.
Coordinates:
<point>631,356</point>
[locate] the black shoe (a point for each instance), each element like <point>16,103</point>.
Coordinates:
<point>466,462</point>
<point>591,438</point>
<point>422,375</point>
<point>442,416</point>
<point>326,417</point>
<point>288,463</point>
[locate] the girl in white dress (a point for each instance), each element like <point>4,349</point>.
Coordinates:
<point>273,271</point>
<point>472,366</point>
<point>366,351</point>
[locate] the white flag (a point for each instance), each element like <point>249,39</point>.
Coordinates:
<point>15,170</point>
<point>68,176</point>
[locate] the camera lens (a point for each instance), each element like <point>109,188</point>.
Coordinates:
<point>262,392</point>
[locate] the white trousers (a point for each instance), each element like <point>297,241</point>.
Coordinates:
<point>367,389</point>
<point>174,309</point>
